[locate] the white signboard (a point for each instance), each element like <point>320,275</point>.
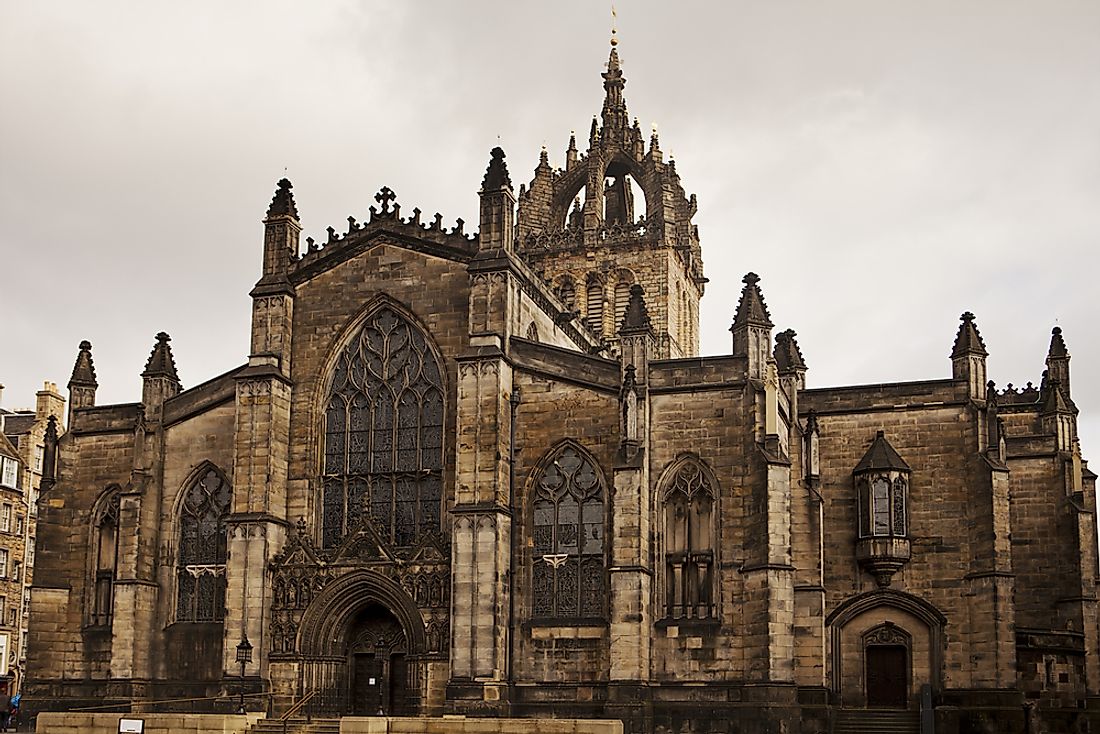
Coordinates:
<point>131,726</point>
<point>4,653</point>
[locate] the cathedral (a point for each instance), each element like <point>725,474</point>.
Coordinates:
<point>490,474</point>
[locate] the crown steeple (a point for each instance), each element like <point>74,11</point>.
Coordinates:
<point>616,122</point>
<point>632,209</point>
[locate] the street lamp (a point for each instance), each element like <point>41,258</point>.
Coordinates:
<point>244,657</point>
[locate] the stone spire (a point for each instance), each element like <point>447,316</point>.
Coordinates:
<point>1058,360</point>
<point>84,369</point>
<point>161,363</point>
<point>751,309</point>
<point>616,121</point>
<point>281,233</point>
<point>159,381</point>
<point>968,357</point>
<point>83,384</point>
<point>283,202</point>
<point>968,340</point>
<point>496,175</point>
<point>788,357</point>
<point>497,207</point>
<point>752,328</point>
<point>636,317</point>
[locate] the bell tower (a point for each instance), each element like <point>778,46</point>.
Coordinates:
<point>616,216</point>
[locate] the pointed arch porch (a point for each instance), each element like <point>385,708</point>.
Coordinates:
<point>363,604</point>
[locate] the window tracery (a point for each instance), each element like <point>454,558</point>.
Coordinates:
<point>106,563</point>
<point>689,543</point>
<point>383,454</point>
<point>569,525</point>
<point>203,548</point>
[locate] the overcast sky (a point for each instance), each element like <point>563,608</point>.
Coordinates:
<point>884,166</point>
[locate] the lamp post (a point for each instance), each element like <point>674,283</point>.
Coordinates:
<point>244,657</point>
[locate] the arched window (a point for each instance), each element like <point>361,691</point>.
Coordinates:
<point>567,293</point>
<point>383,453</point>
<point>532,332</point>
<point>594,305</point>
<point>569,560</point>
<point>105,532</point>
<point>688,515</point>
<point>202,550</point>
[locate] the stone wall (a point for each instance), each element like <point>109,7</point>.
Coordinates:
<point>462,725</point>
<point>77,723</point>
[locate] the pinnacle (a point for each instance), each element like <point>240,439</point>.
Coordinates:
<point>282,204</point>
<point>636,317</point>
<point>161,363</point>
<point>968,340</point>
<point>84,369</point>
<point>496,175</point>
<point>788,357</point>
<point>752,309</point>
<point>1057,345</point>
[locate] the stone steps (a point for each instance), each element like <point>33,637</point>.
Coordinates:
<point>869,721</point>
<point>296,726</point>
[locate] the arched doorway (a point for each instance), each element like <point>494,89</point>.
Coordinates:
<point>378,680</point>
<point>887,666</point>
<point>362,645</point>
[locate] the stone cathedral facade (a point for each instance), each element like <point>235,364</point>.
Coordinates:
<point>490,474</point>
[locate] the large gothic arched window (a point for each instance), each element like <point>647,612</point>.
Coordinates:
<point>202,551</point>
<point>689,514</point>
<point>383,453</point>
<point>569,560</point>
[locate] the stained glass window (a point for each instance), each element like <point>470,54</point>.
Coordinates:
<point>689,544</point>
<point>202,549</point>
<point>383,455</point>
<point>569,523</point>
<point>106,534</point>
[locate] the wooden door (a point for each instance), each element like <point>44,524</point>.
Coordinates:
<point>887,676</point>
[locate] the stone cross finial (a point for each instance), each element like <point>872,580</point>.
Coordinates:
<point>385,197</point>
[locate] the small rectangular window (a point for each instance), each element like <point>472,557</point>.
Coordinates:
<point>5,518</point>
<point>10,474</point>
<point>19,524</point>
<point>3,563</point>
<point>39,453</point>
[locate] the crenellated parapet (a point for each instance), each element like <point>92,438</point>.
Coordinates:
<point>432,235</point>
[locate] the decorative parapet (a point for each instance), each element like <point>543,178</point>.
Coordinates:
<point>573,238</point>
<point>386,218</point>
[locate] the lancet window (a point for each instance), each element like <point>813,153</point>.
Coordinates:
<point>105,532</point>
<point>202,549</point>
<point>688,517</point>
<point>882,505</point>
<point>383,454</point>
<point>569,573</point>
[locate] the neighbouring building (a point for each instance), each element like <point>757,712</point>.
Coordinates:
<point>490,473</point>
<point>14,489</point>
